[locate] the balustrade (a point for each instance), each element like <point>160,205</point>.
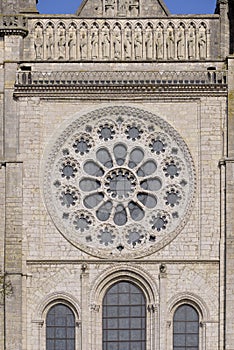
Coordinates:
<point>101,78</point>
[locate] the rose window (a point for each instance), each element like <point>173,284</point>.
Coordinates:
<point>119,182</point>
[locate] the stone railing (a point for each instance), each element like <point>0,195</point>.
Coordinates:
<point>13,24</point>
<point>118,78</point>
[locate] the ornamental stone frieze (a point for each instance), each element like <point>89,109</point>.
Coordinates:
<point>120,40</point>
<point>13,25</point>
<point>122,8</point>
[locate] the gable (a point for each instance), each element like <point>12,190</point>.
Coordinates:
<point>123,8</point>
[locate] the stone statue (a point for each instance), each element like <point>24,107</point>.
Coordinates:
<point>50,45</point>
<point>170,43</point>
<point>72,46</point>
<point>38,43</point>
<point>110,8</point>
<point>128,45</point>
<point>83,45</point>
<point>159,45</point>
<point>134,8</point>
<point>202,45</point>
<point>124,7</point>
<point>149,45</point>
<point>117,44</point>
<point>138,45</point>
<point>94,44</point>
<point>105,44</point>
<point>61,45</point>
<point>180,44</point>
<point>191,45</point>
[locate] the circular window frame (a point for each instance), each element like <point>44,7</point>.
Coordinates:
<point>149,122</point>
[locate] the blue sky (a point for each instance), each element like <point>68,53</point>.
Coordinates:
<point>175,6</point>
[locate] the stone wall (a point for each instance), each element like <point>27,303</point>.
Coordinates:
<point>42,264</point>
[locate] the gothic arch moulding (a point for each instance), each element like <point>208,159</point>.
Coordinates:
<point>124,272</point>
<point>188,298</point>
<point>55,298</point>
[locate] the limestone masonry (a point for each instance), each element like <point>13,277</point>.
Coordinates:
<point>116,177</point>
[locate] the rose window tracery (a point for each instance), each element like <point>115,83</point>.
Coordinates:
<point>123,188</point>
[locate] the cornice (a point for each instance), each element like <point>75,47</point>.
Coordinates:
<point>123,91</point>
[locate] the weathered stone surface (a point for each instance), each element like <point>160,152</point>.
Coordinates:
<point>57,74</point>
<point>17,6</point>
<point>123,8</point>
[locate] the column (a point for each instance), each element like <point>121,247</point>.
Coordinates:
<point>84,278</point>
<point>229,210</point>
<point>162,306</point>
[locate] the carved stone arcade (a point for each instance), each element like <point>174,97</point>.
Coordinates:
<point>121,40</point>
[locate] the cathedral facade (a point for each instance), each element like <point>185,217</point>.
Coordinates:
<point>116,177</point>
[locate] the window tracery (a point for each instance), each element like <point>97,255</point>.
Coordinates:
<point>123,186</point>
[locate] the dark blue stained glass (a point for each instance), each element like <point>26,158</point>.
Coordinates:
<point>124,318</point>
<point>186,328</point>
<point>60,328</point>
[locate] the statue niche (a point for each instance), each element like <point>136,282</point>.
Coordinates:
<point>202,44</point>
<point>134,8</point>
<point>170,44</point>
<point>159,43</point>
<point>72,43</point>
<point>148,44</point>
<point>94,41</point>
<point>180,43</point>
<point>191,44</point>
<point>128,44</point>
<point>49,42</point>
<point>62,43</point>
<point>121,8</point>
<point>109,8</point>
<point>105,41</point>
<point>83,44</point>
<point>117,43</point>
<point>38,42</point>
<point>138,44</point>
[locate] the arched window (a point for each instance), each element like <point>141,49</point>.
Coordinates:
<point>124,318</point>
<point>186,328</point>
<point>60,328</point>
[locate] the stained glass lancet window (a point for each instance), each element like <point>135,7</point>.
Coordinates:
<point>60,328</point>
<point>186,328</point>
<point>124,318</point>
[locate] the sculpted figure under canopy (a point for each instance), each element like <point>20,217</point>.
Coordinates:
<point>49,45</point>
<point>180,44</point>
<point>117,44</point>
<point>105,44</point>
<point>191,45</point>
<point>202,45</point>
<point>38,43</point>
<point>94,44</point>
<point>110,7</point>
<point>138,45</point>
<point>170,42</point>
<point>128,45</point>
<point>159,45</point>
<point>148,45</point>
<point>83,45</point>
<point>134,8</point>
<point>72,46</point>
<point>123,7</point>
<point>61,44</point>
